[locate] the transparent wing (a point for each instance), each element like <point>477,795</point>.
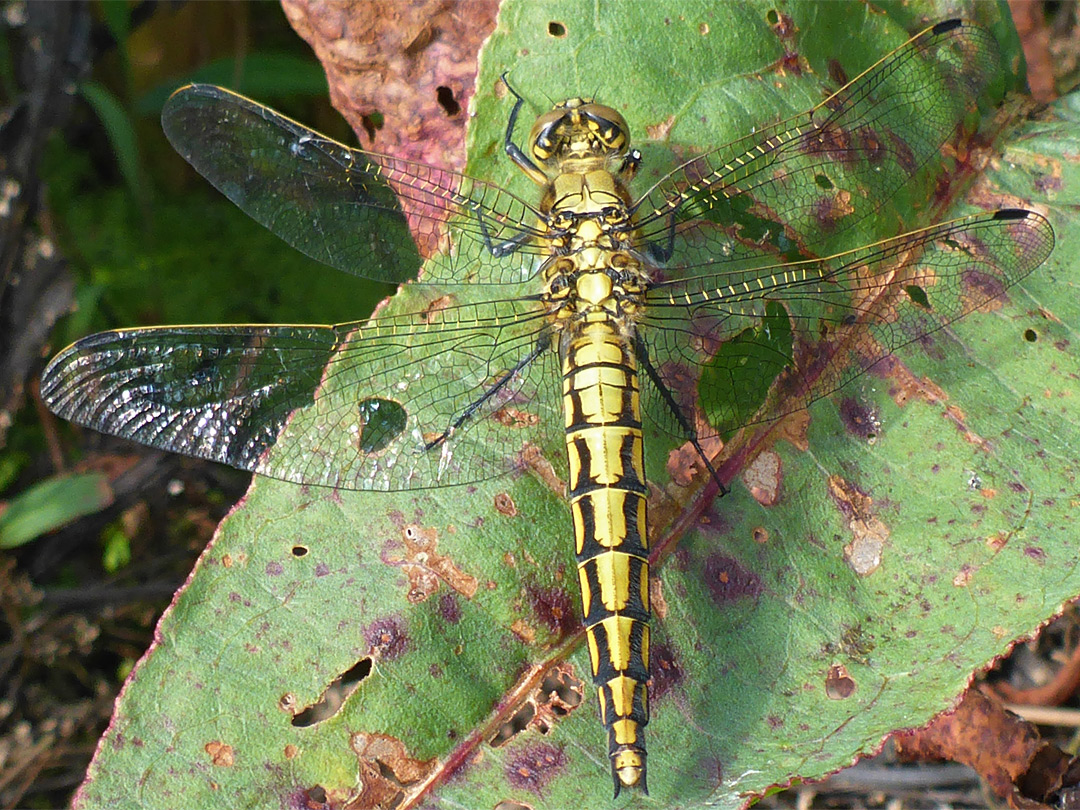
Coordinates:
<point>715,335</point>
<point>793,185</point>
<point>345,207</point>
<point>447,396</point>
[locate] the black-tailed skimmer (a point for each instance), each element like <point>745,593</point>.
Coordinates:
<point>640,305</point>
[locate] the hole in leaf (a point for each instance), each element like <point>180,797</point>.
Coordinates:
<point>918,296</point>
<point>556,29</point>
<point>823,182</point>
<point>316,796</point>
<point>299,551</point>
<point>381,421</point>
<point>1030,335</point>
<point>372,123</point>
<point>558,694</point>
<point>514,726</point>
<point>445,97</point>
<point>334,696</point>
<point>386,770</point>
<point>563,691</point>
<point>772,16</point>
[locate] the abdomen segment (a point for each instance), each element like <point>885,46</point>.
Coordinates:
<point>607,499</point>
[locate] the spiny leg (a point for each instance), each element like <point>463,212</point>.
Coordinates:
<point>541,346</point>
<point>642,352</point>
<point>513,151</point>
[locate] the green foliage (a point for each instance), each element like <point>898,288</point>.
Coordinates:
<point>50,504</point>
<point>266,76</point>
<point>120,129</point>
<point>10,465</point>
<point>164,264</point>
<point>116,551</point>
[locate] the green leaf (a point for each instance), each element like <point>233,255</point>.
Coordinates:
<point>117,550</point>
<point>51,504</point>
<point>848,591</point>
<point>11,464</point>
<point>120,130</point>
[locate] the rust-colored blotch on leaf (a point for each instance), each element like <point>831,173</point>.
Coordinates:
<point>1007,751</point>
<point>221,754</point>
<point>839,685</point>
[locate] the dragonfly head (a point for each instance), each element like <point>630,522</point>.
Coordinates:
<point>578,129</point>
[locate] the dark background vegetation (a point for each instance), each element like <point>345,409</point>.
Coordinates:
<point>123,233</point>
<point>107,227</point>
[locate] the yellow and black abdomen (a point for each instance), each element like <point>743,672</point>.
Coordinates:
<point>607,498</point>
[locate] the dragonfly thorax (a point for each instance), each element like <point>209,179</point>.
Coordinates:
<point>595,282</point>
<point>578,130</point>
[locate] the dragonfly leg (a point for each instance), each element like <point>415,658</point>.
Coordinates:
<point>513,151</point>
<point>507,246</point>
<point>542,345</point>
<point>642,352</point>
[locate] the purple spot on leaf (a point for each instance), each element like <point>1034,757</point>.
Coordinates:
<point>554,608</point>
<point>534,768</point>
<point>903,154</point>
<point>449,609</point>
<point>1047,183</point>
<point>837,73</point>
<point>983,286</point>
<point>728,581</point>
<point>664,670</point>
<point>858,418</point>
<point>387,638</point>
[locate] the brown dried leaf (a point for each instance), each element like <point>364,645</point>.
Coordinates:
<point>1007,751</point>
<point>404,61</point>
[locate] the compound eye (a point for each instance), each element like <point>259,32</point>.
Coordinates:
<point>608,125</point>
<point>542,136</point>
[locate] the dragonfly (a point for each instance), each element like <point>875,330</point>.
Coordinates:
<point>581,317</point>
